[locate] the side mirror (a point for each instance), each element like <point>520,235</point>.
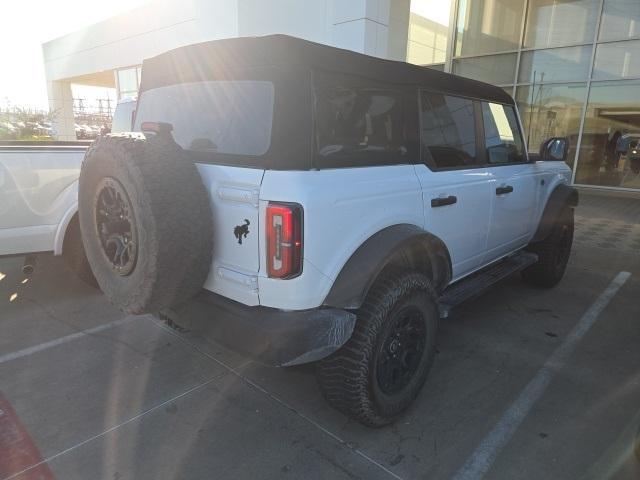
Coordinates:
<point>554,150</point>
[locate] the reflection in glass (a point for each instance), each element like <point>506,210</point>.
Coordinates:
<point>508,89</point>
<point>502,137</point>
<point>428,31</point>
<point>611,129</point>
<point>488,26</point>
<point>447,130</point>
<point>617,60</point>
<point>555,65</point>
<point>551,111</point>
<point>496,69</point>
<point>620,20</point>
<point>552,23</point>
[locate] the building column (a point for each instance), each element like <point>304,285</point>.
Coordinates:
<point>374,27</point>
<point>61,105</point>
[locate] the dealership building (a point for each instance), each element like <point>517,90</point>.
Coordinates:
<point>573,66</point>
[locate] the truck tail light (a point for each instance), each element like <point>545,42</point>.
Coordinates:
<point>284,240</point>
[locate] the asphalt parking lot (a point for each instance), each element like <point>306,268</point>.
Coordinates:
<point>528,384</point>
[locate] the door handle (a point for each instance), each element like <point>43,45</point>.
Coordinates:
<point>442,201</point>
<point>503,190</point>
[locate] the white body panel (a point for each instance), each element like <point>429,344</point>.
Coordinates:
<point>463,226</point>
<point>342,209</point>
<point>38,189</point>
<point>234,194</point>
<point>512,213</point>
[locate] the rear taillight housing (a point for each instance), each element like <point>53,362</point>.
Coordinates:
<point>284,240</point>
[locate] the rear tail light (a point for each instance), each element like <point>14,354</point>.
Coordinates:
<point>284,240</point>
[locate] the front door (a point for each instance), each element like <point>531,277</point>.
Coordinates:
<point>514,181</point>
<point>456,186</point>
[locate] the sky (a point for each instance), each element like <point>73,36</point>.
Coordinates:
<point>26,25</point>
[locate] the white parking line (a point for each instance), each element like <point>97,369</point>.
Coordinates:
<point>59,341</point>
<point>485,454</point>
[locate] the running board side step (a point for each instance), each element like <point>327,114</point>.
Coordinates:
<point>473,285</point>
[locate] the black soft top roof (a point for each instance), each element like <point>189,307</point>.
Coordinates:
<point>230,58</point>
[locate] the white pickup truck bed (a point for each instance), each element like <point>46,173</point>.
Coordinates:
<point>38,194</point>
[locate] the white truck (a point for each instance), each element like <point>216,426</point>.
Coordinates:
<point>39,201</point>
<point>39,197</point>
<point>312,204</point>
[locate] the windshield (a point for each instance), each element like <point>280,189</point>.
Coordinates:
<point>229,117</point>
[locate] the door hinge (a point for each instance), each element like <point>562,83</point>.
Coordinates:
<point>237,194</point>
<point>249,281</point>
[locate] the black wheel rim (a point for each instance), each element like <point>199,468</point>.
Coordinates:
<point>115,226</point>
<point>401,352</point>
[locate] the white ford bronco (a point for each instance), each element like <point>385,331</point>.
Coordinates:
<point>312,204</point>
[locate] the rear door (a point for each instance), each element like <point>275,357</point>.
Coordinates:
<point>514,181</point>
<point>455,184</point>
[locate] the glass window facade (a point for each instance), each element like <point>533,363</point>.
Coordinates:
<point>611,129</point>
<point>496,69</point>
<point>617,60</point>
<point>555,65</point>
<point>620,20</point>
<point>576,69</point>
<point>428,31</point>
<point>551,111</point>
<point>553,23</point>
<point>488,26</point>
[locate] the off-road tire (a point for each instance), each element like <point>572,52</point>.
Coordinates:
<point>553,253</point>
<point>348,378</point>
<point>75,256</point>
<point>171,216</point>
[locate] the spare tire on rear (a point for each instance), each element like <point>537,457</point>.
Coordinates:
<point>146,221</point>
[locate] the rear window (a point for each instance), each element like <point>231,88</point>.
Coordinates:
<point>226,117</point>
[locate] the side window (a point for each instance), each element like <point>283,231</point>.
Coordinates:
<point>501,134</point>
<point>448,130</point>
<point>358,124</point>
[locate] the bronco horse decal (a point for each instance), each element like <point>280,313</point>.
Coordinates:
<point>242,230</point>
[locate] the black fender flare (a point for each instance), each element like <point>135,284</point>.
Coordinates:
<point>561,196</point>
<point>403,245</point>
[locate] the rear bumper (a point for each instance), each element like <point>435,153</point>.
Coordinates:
<point>268,335</point>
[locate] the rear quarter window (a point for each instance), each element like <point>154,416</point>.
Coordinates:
<point>358,123</point>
